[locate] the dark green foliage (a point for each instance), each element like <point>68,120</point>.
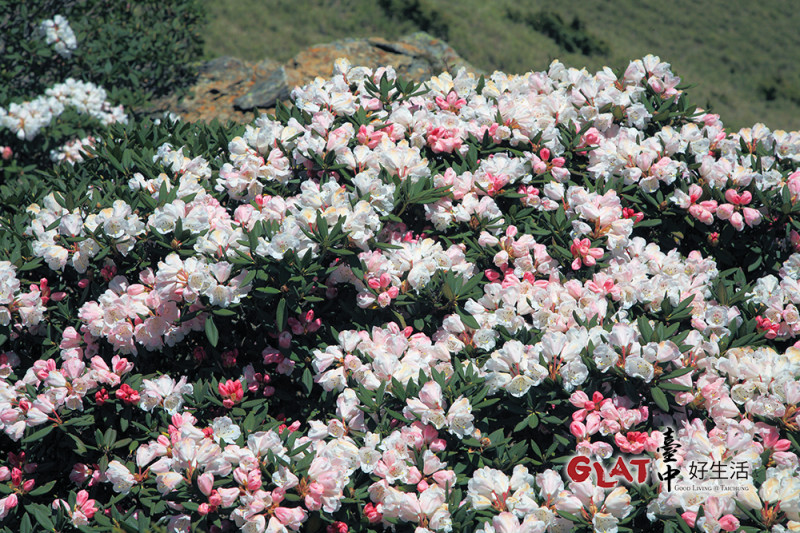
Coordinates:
<point>132,49</point>
<point>424,15</point>
<point>571,37</point>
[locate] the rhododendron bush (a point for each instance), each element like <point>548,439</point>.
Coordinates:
<point>69,68</point>
<point>409,307</point>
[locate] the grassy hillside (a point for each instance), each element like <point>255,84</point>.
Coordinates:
<point>742,57</point>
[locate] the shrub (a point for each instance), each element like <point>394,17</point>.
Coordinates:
<point>571,37</point>
<point>133,49</point>
<point>394,306</point>
<point>68,69</point>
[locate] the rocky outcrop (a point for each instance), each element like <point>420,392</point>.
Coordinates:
<point>228,88</point>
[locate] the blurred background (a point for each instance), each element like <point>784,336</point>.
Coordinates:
<point>742,58</point>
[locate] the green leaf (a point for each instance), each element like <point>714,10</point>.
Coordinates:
<point>677,373</point>
<point>468,319</point>
<point>308,380</point>
<point>280,315</point>
<point>38,435</point>
<point>674,387</point>
<point>211,331</point>
<point>44,489</point>
<point>42,515</point>
<point>25,525</point>
<point>660,398</point>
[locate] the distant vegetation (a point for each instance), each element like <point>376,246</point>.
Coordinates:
<point>741,56</point>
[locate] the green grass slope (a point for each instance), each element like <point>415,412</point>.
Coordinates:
<point>741,57</point>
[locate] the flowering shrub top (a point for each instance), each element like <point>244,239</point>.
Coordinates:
<point>394,306</point>
<point>69,66</point>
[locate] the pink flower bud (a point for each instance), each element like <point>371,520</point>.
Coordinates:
<point>205,482</point>
<point>729,522</point>
<point>285,339</point>
<point>271,355</point>
<point>578,429</point>
<point>337,527</point>
<point>9,502</point>
<point>438,445</point>
<point>372,514</point>
<point>413,476</point>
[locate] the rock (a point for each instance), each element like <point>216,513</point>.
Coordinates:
<point>265,93</point>
<point>418,56</point>
<point>219,83</point>
<point>228,88</point>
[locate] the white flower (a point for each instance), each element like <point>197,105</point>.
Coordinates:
<point>638,367</point>
<point>118,474</point>
<point>58,33</point>
<point>225,430</point>
<point>484,339</point>
<point>460,417</point>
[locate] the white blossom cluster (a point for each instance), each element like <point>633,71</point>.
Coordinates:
<point>27,119</point>
<point>58,33</point>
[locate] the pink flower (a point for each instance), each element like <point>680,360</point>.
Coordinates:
<point>205,482</point>
<point>101,397</point>
<point>592,137</point>
<point>578,430</point>
<point>442,140</point>
<point>771,437</point>
<point>199,354</point>
<point>738,199</point>
<point>438,445</point>
<point>271,355</point>
<point>127,394</point>
<point>628,212</point>
<point>84,504</point>
<point>752,217</point>
<point>704,211</point>
<point>338,527</point>
<point>6,504</point>
<point>634,442</point>
<point>292,517</point>
<point>229,358</point>
<point>770,330</point>
<point>367,135</point>
<point>285,339</point>
<point>583,252</point>
<point>306,324</point>
<point>80,473</point>
<point>451,103</point>
<point>729,522</point>
<point>231,392</point>
<point>372,514</point>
